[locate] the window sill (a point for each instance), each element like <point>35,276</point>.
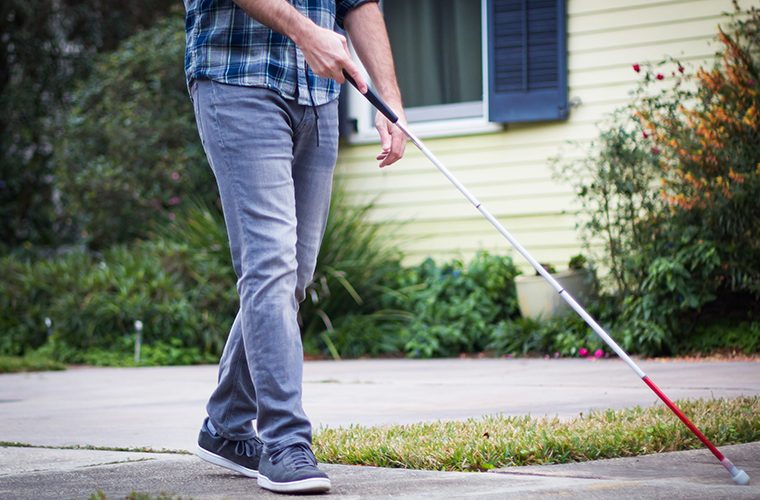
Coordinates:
<point>438,128</point>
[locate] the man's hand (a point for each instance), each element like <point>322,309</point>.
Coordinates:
<point>366,27</point>
<point>327,55</point>
<point>392,140</point>
<point>325,51</point>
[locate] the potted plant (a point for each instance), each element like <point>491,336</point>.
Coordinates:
<point>539,300</point>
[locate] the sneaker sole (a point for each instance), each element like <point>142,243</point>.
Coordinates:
<point>224,462</point>
<point>311,485</point>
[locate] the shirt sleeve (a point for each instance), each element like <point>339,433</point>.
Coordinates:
<point>343,7</point>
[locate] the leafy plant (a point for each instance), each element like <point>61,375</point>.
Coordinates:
<point>455,308</point>
<point>670,192</point>
<point>577,262</point>
<point>343,306</point>
<point>15,364</point>
<point>129,154</point>
<point>45,48</point>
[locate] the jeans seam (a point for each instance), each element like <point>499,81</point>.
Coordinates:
<point>228,168</point>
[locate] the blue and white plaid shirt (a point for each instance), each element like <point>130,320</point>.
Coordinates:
<point>226,45</point>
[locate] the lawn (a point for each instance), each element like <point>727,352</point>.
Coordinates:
<point>492,442</point>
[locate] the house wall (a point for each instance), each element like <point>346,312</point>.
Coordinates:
<point>509,170</point>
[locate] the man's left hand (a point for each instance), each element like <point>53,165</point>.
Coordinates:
<point>392,140</point>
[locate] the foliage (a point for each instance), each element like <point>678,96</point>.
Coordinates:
<point>455,308</point>
<point>500,441</point>
<point>561,336</point>
<point>93,301</point>
<point>182,287</point>
<point>15,364</point>
<point>343,314</point>
<point>157,353</point>
<point>708,144</point>
<point>129,153</point>
<point>577,262</point>
<point>723,337</point>
<point>671,190</point>
<point>45,48</point>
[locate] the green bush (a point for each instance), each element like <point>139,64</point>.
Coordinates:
<point>129,154</point>
<point>455,308</point>
<point>343,314</point>
<point>181,285</point>
<point>726,337</point>
<point>93,301</point>
<point>46,47</point>
<point>28,289</point>
<point>15,364</point>
<point>671,191</point>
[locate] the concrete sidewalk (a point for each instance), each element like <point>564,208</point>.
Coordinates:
<point>683,475</point>
<point>163,407</point>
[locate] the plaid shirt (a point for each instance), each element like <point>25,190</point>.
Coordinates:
<point>226,45</point>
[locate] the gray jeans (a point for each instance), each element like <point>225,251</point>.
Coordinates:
<point>275,185</point>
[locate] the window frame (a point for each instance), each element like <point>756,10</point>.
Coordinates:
<point>427,121</point>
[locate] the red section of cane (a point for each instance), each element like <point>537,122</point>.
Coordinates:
<point>684,418</point>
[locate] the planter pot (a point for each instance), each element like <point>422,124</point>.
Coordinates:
<point>538,300</point>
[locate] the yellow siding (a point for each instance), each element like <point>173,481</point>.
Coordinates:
<point>508,170</point>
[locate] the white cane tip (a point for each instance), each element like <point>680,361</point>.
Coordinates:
<point>741,478</point>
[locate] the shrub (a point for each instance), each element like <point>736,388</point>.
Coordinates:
<point>129,153</point>
<point>14,364</point>
<point>181,285</point>
<point>455,308</point>
<point>28,288</point>
<point>708,145</point>
<point>671,190</point>
<point>45,48</point>
<point>93,302</point>
<point>343,314</point>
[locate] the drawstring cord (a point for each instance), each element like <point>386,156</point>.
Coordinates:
<point>311,98</point>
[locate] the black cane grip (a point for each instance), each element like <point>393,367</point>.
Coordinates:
<point>375,99</point>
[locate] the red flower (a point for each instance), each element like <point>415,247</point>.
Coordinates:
<point>680,69</point>
<point>660,76</point>
<point>655,150</point>
<point>644,133</point>
<point>636,68</point>
<point>583,352</point>
<point>599,353</point>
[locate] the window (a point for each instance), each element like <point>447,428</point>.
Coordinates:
<point>467,66</point>
<point>437,47</point>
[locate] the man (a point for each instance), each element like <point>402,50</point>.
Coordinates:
<point>264,76</point>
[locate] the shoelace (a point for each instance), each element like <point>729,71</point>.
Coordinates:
<point>247,447</point>
<point>297,456</point>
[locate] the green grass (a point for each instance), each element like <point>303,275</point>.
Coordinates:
<point>15,364</point>
<point>492,442</point>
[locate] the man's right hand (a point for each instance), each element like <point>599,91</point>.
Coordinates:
<point>326,52</point>
<point>327,55</point>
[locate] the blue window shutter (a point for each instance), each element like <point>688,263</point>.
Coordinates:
<point>527,60</point>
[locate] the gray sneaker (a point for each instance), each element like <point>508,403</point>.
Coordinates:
<point>239,456</point>
<point>292,470</point>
